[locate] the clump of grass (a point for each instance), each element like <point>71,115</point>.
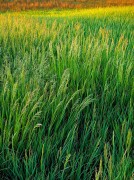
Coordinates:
<point>66,95</point>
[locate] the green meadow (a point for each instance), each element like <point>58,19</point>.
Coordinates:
<point>67,94</point>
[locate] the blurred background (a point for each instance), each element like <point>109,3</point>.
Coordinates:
<point>36,4</point>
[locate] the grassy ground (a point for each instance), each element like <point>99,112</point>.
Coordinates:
<point>66,94</point>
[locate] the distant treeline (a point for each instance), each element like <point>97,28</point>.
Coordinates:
<point>35,4</point>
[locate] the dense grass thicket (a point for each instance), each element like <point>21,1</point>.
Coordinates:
<point>66,94</point>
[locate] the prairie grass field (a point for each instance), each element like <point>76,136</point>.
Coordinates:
<point>67,94</point>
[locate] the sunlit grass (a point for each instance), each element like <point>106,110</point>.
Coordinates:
<point>66,94</point>
<point>99,12</point>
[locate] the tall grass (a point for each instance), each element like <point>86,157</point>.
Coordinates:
<point>66,95</point>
